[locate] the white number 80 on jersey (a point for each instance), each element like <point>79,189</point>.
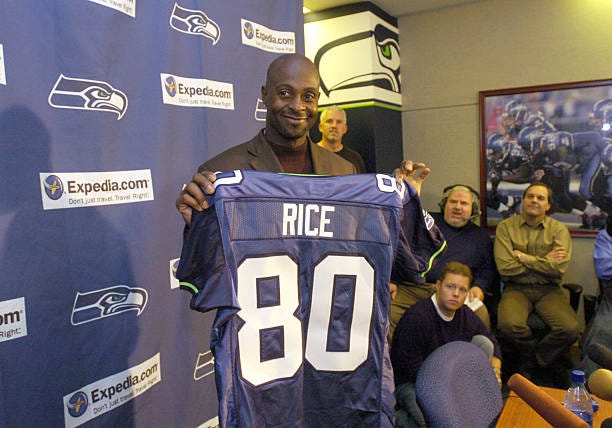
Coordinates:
<point>256,319</point>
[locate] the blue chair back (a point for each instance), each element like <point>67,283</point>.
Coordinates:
<point>456,387</point>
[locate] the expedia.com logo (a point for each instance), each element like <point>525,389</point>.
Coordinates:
<point>61,190</point>
<point>77,404</point>
<point>196,92</point>
<point>267,39</point>
<point>54,188</point>
<point>107,302</point>
<point>173,266</point>
<point>13,323</point>
<point>85,94</point>
<point>248,30</point>
<point>104,395</point>
<point>196,87</point>
<point>170,85</point>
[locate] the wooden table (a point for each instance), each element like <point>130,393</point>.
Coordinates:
<point>517,413</point>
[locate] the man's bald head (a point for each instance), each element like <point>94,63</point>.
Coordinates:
<point>291,96</point>
<point>286,62</point>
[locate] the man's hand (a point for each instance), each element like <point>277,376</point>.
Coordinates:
<point>538,175</point>
<point>497,371</point>
<point>193,194</point>
<point>496,363</point>
<point>476,292</point>
<point>557,253</point>
<point>413,173</point>
<point>393,290</point>
<point>520,256</point>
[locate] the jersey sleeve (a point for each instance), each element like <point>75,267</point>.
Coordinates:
<point>419,243</point>
<point>203,270</point>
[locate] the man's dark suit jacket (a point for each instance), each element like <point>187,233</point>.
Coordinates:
<point>257,154</point>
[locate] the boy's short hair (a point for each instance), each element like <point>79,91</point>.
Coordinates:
<point>456,268</point>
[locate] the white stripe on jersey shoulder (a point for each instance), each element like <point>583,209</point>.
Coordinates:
<point>232,177</point>
<point>387,183</point>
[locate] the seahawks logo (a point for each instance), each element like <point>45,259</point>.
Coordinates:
<point>194,22</point>
<point>84,94</point>
<point>385,73</point>
<point>107,302</point>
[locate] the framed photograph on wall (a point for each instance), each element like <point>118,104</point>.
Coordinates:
<point>557,134</point>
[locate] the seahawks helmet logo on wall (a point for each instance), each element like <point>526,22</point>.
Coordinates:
<point>194,22</point>
<point>385,74</point>
<point>107,302</point>
<point>85,94</point>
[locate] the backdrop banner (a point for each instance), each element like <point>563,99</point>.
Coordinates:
<point>106,108</point>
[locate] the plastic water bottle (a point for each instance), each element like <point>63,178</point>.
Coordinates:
<point>578,400</point>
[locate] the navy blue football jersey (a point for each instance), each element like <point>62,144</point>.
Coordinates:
<point>298,269</point>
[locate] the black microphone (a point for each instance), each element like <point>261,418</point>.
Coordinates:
<point>600,354</point>
<point>470,218</point>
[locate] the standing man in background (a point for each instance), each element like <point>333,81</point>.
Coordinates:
<point>532,252</point>
<point>333,127</point>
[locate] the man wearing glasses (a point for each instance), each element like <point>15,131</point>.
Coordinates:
<point>429,324</point>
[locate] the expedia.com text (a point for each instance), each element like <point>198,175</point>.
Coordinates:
<point>106,186</point>
<point>129,382</point>
<point>10,318</point>
<point>205,91</point>
<point>271,39</point>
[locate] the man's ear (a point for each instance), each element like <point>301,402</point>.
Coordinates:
<point>264,94</point>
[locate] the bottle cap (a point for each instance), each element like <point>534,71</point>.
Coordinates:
<point>578,376</point>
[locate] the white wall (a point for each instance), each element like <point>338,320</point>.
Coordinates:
<point>448,56</point>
